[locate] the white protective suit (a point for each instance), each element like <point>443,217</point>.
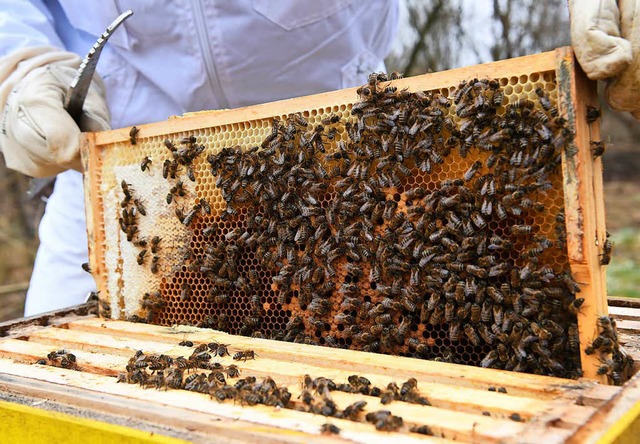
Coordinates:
<point>177,56</point>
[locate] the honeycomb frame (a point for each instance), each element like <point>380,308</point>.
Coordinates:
<point>111,158</point>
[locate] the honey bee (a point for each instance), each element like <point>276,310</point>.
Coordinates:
<point>353,411</point>
<point>605,324</point>
<point>169,145</point>
<point>574,306</point>
<point>597,148</point>
<point>188,218</point>
<point>593,114</point>
<point>141,256</point>
<point>185,292</point>
<point>205,206</point>
<point>489,359</point>
<point>133,135</point>
<point>607,248</point>
<point>502,353</point>
<point>244,355</point>
<point>478,220</point>
<point>233,371</point>
<point>144,165</point>
<point>127,190</point>
<point>155,240</point>
<point>607,367</point>
<point>495,294</point>
<point>473,169</point>
<point>221,350</point>
<point>521,229</point>
<point>384,420</point>
<point>423,430</point>
<point>471,334</point>
<point>188,140</point>
<point>329,429</point>
<point>154,264</point>
<point>190,174</point>
<point>410,384</point>
<point>140,207</point>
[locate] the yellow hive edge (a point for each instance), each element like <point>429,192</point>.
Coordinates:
<point>23,424</point>
<point>626,430</point>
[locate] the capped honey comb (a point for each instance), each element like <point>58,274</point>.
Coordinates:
<point>302,226</point>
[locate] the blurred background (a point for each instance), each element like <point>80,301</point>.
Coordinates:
<point>434,35</point>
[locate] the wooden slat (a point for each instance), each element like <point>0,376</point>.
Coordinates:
<point>102,343</point>
<point>583,216</point>
<point>285,418</point>
<point>92,362</point>
<point>198,427</point>
<point>442,421</point>
<point>617,301</point>
<point>459,398</point>
<point>627,313</point>
<point>561,412</point>
<point>460,375</point>
<point>548,405</point>
<point>440,395</point>
<point>628,326</point>
<point>522,65</point>
<point>24,326</point>
<point>619,413</point>
<point>451,425</point>
<point>95,237</point>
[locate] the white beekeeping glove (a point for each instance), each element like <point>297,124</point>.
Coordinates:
<point>605,36</point>
<point>623,92</point>
<point>37,136</point>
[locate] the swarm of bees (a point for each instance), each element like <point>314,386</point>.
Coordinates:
<point>407,392</point>
<point>161,371</point>
<point>349,253</point>
<point>164,372</point>
<point>60,358</point>
<point>615,363</point>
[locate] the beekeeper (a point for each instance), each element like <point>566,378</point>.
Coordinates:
<point>170,57</point>
<point>174,57</point>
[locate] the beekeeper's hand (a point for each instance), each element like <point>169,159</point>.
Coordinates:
<point>37,135</point>
<point>605,35</point>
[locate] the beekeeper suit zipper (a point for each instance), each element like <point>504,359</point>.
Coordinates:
<point>205,49</point>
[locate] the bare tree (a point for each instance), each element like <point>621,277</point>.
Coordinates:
<point>528,26</point>
<point>430,38</point>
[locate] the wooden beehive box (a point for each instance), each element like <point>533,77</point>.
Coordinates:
<point>110,157</point>
<point>467,404</point>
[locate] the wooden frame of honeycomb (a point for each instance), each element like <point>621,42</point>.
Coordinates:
<point>111,158</point>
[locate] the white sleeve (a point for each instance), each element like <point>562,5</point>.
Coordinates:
<point>25,24</point>
<point>27,40</point>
